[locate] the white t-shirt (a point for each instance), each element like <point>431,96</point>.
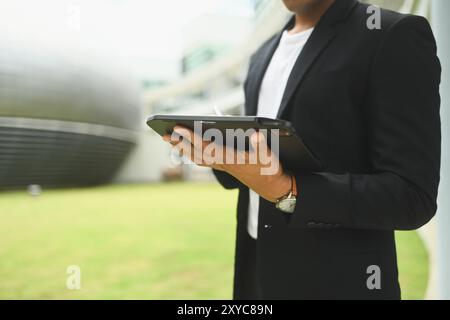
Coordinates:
<point>271,94</point>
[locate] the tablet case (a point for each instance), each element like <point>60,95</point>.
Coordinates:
<point>294,154</point>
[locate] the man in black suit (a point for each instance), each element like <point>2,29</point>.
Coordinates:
<point>366,103</point>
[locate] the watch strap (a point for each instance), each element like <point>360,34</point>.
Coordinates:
<point>294,186</point>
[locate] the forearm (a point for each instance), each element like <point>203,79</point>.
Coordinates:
<point>269,187</point>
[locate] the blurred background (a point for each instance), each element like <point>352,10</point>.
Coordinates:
<point>84,182</point>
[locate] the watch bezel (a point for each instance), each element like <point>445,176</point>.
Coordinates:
<point>287,204</point>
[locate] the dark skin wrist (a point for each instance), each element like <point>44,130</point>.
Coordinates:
<point>271,188</point>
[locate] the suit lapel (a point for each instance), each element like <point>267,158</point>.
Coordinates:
<point>321,37</point>
<point>257,73</point>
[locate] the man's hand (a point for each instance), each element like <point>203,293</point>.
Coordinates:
<point>270,187</point>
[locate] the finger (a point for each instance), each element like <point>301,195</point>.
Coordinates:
<point>187,150</point>
<point>198,136</point>
<point>256,139</point>
<point>184,150</point>
<point>261,153</point>
<point>172,139</point>
<point>186,133</point>
<point>167,138</point>
<point>196,139</point>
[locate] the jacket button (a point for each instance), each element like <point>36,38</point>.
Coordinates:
<point>311,224</point>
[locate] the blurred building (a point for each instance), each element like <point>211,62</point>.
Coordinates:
<point>66,118</point>
<point>211,36</point>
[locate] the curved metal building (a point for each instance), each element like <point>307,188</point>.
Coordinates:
<point>65,119</point>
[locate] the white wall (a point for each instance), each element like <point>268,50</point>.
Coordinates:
<point>441,23</point>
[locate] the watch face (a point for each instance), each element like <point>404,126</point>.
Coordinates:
<point>287,205</point>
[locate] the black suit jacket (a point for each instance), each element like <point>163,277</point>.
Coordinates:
<point>366,102</point>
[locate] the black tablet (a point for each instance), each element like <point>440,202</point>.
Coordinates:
<point>294,154</point>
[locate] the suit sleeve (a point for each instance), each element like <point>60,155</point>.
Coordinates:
<point>404,139</point>
<point>227,181</point>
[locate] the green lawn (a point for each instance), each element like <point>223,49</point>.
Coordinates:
<point>141,241</point>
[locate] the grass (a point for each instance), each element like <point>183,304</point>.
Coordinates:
<point>413,265</point>
<point>136,242</point>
